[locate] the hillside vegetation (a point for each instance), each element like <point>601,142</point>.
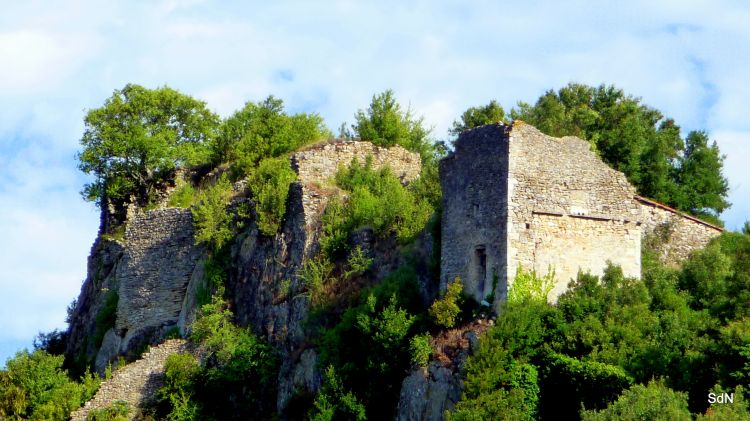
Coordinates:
<point>611,348</point>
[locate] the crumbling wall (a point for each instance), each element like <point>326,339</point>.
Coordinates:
<point>474,183</point>
<point>319,162</point>
<point>568,210</point>
<point>673,234</point>
<point>159,260</point>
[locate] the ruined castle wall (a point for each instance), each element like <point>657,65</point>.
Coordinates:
<point>474,184</point>
<point>319,163</point>
<point>157,264</point>
<point>567,209</point>
<point>673,234</point>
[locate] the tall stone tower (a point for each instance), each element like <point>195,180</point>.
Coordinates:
<point>513,196</point>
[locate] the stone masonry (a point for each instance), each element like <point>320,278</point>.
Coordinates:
<point>136,383</point>
<point>515,197</point>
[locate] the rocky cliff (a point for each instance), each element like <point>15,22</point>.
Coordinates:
<point>141,287</point>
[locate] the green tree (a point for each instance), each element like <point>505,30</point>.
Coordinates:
<point>478,116</point>
<point>139,137</point>
<point>264,130</point>
<point>704,188</point>
<point>652,402</point>
<point>35,386</point>
<point>446,309</point>
<point>386,124</point>
<point>637,140</point>
<point>269,183</point>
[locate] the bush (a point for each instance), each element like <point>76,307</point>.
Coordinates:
<point>212,222</point>
<point>238,377</point>
<point>334,402</point>
<point>118,411</point>
<point>420,348</point>
<point>496,405</point>
<point>358,263</point>
<point>184,196</point>
<point>269,184</point>
<point>377,200</point>
<point>316,274</point>
<point>529,286</point>
<point>568,383</point>
<point>653,402</point>
<point>35,386</point>
<point>445,310</point>
<point>264,130</point>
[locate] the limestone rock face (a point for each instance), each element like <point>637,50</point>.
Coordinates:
<point>427,393</point>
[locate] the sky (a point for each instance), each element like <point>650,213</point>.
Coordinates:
<point>59,59</point>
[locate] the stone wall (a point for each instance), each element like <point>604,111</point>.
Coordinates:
<point>474,183</point>
<point>567,209</point>
<point>158,263</point>
<point>319,163</point>
<point>136,383</point>
<point>675,235</point>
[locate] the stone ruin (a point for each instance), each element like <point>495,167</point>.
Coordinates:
<point>515,197</point>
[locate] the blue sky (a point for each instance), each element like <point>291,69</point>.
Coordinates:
<point>58,59</point>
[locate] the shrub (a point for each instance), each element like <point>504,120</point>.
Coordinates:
<point>570,383</point>
<point>499,404</point>
<point>184,196</point>
<point>358,263</point>
<point>239,376</point>
<point>316,275</point>
<point>269,184</point>
<point>653,402</point>
<point>529,286</point>
<point>377,200</point>
<point>35,386</point>
<point>334,402</point>
<point>445,310</point>
<point>420,348</point>
<point>118,411</point>
<point>180,375</point>
<point>212,222</point>
<point>264,130</point>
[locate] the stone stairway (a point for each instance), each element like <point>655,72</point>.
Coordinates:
<point>135,383</point>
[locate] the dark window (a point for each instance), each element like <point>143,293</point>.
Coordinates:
<point>480,257</point>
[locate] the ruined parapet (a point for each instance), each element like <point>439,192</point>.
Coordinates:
<point>318,163</point>
<point>316,167</point>
<point>674,234</point>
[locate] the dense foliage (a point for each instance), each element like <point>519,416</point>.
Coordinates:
<point>236,380</point>
<point>264,130</point>
<point>376,199</point>
<point>686,327</point>
<point>35,386</point>
<point>140,135</point>
<point>384,123</point>
<point>631,137</point>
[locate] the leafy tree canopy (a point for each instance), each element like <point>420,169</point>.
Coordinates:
<point>631,137</point>
<point>138,137</point>
<point>386,124</point>
<point>478,116</point>
<point>263,130</point>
